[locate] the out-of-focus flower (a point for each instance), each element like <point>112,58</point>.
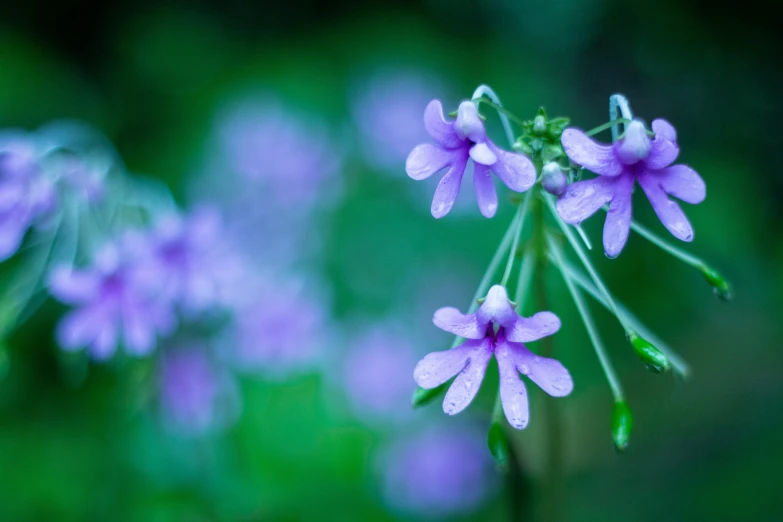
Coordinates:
<point>470,359</point>
<point>26,195</point>
<point>633,158</point>
<point>377,373</point>
<point>387,112</point>
<point>196,394</point>
<point>113,303</point>
<point>458,141</point>
<point>437,473</point>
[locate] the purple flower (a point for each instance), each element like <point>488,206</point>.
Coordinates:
<point>633,158</point>
<point>113,303</point>
<point>26,195</point>
<point>437,473</point>
<point>458,141</point>
<point>469,360</point>
<point>196,395</point>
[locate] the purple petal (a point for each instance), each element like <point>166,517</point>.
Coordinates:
<point>11,235</point>
<point>669,212</point>
<point>664,147</point>
<point>590,154</point>
<point>453,321</point>
<point>513,393</point>
<point>496,307</point>
<point>467,384</point>
<point>486,196</point>
<point>481,153</point>
<point>528,329</point>
<point>427,159</point>
<point>105,343</point>
<point>79,328</point>
<point>682,182</point>
<point>439,128</point>
<point>468,124</point>
<point>635,145</point>
<point>438,367</point>
<point>448,188</point>
<point>73,286</point>
<point>549,374</point>
<point>618,219</point>
<point>139,333</point>
<point>515,170</point>
<point>583,199</point>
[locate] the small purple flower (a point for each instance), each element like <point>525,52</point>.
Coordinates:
<point>469,360</point>
<point>633,158</point>
<point>112,302</point>
<point>458,141</point>
<point>26,195</point>
<point>437,473</point>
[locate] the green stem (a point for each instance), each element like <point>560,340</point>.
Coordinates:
<point>607,125</point>
<point>618,102</point>
<point>680,254</point>
<point>525,274</point>
<point>520,222</point>
<point>592,332</point>
<point>504,115</point>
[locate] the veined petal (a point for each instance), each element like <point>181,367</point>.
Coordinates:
<point>439,127</point>
<point>664,147</point>
<point>583,199</point>
<point>549,374</point>
<point>528,329</point>
<point>438,367</point>
<point>467,384</point>
<point>682,182</point>
<point>669,212</point>
<point>448,188</point>
<point>453,321</point>
<point>427,159</point>
<point>515,170</point>
<point>590,154</point>
<point>513,393</point>
<point>618,219</point>
<point>486,195</point>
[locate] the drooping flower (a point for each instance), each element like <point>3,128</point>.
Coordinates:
<point>114,304</point>
<point>26,194</point>
<point>469,360</point>
<point>437,473</point>
<point>633,158</point>
<point>458,141</point>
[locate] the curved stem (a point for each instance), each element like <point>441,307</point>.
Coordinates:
<point>677,252</point>
<point>618,101</point>
<point>601,128</point>
<point>482,90</point>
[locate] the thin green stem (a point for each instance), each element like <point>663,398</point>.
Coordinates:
<point>607,125</point>
<point>587,319</point>
<point>525,275</point>
<point>588,265</point>
<point>520,222</point>
<point>664,245</point>
<point>678,363</point>
<point>483,90</point>
<point>511,116</point>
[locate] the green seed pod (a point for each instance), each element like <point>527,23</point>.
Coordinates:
<point>422,396</point>
<point>650,355</point>
<point>497,440</point>
<point>622,423</point>
<point>719,285</point>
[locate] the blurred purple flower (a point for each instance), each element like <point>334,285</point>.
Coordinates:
<point>469,360</point>
<point>438,473</point>
<point>458,141</point>
<point>377,375</point>
<point>26,195</point>
<point>196,395</point>
<point>632,158</point>
<point>112,302</point>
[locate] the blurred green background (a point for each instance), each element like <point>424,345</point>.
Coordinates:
<point>152,75</point>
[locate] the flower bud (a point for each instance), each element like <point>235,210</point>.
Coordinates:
<point>653,359</point>
<point>622,423</point>
<point>539,125</point>
<point>497,440</point>
<point>556,127</point>
<point>719,285</point>
<point>553,179</point>
<point>468,124</point>
<point>635,145</point>
<point>423,396</point>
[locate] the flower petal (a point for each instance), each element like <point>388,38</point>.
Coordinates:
<point>513,393</point>
<point>496,307</point>
<point>138,330</point>
<point>682,182</point>
<point>439,127</point>
<point>618,219</point>
<point>453,321</point>
<point>669,212</point>
<point>467,384</point>
<point>438,367</point>
<point>486,195</point>
<point>427,159</point>
<point>515,170</point>
<point>79,328</point>
<point>549,374</point>
<point>583,199</point>
<point>73,286</point>
<point>590,154</point>
<point>448,188</point>
<point>528,329</point>
<point>481,153</point>
<point>664,147</point>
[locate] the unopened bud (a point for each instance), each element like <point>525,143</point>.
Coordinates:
<point>553,179</point>
<point>497,440</point>
<point>622,423</point>
<point>423,396</point>
<point>719,285</point>
<point>556,127</point>
<point>539,125</point>
<point>651,356</point>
